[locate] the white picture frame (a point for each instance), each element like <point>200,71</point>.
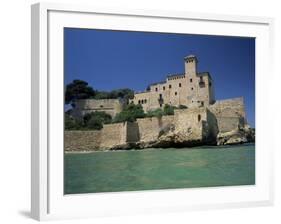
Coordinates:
<point>48,201</point>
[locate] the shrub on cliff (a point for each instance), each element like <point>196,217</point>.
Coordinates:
<point>182,107</point>
<point>130,113</point>
<point>155,113</point>
<point>95,120</point>
<point>169,110</point>
<point>91,121</point>
<point>71,123</point>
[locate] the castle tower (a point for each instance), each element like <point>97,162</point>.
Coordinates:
<point>190,64</point>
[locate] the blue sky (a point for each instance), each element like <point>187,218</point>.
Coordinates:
<point>110,60</point>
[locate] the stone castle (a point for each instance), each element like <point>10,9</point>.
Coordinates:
<point>203,121</point>
<point>191,89</point>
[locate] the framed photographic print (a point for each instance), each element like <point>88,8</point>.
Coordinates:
<point>148,111</point>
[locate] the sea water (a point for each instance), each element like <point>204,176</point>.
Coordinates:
<point>168,168</point>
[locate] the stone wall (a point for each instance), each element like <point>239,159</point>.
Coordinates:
<point>113,135</point>
<point>149,128</point>
<point>230,114</point>
<point>189,122</point>
<point>133,134</point>
<point>212,127</point>
<point>82,140</point>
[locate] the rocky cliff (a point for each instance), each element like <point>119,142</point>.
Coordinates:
<point>237,136</point>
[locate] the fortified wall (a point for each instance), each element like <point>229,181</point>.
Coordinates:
<point>82,140</point>
<point>149,128</point>
<point>194,125</point>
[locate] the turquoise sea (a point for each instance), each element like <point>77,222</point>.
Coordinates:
<point>150,169</point>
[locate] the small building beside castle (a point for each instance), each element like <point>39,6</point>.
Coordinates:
<point>109,106</point>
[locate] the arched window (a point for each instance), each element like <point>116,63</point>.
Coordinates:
<point>199,117</point>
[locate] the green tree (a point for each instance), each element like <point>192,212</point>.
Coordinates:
<point>125,94</point>
<point>130,113</point>
<point>122,93</point>
<point>78,89</point>
<point>101,95</point>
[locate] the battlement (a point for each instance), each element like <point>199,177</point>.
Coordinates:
<point>175,76</point>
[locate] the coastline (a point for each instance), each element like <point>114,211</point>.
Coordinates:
<point>162,149</point>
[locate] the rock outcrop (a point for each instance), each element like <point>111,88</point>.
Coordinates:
<point>170,136</point>
<point>237,136</point>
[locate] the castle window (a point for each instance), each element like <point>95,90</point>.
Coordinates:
<point>210,84</point>
<point>156,89</point>
<point>199,117</point>
<point>101,106</point>
<point>163,87</point>
<point>170,86</point>
<point>202,103</point>
<point>160,100</point>
<point>176,93</point>
<point>201,82</point>
<point>191,88</point>
<point>179,84</point>
<point>139,102</point>
<point>145,101</point>
<point>190,80</point>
